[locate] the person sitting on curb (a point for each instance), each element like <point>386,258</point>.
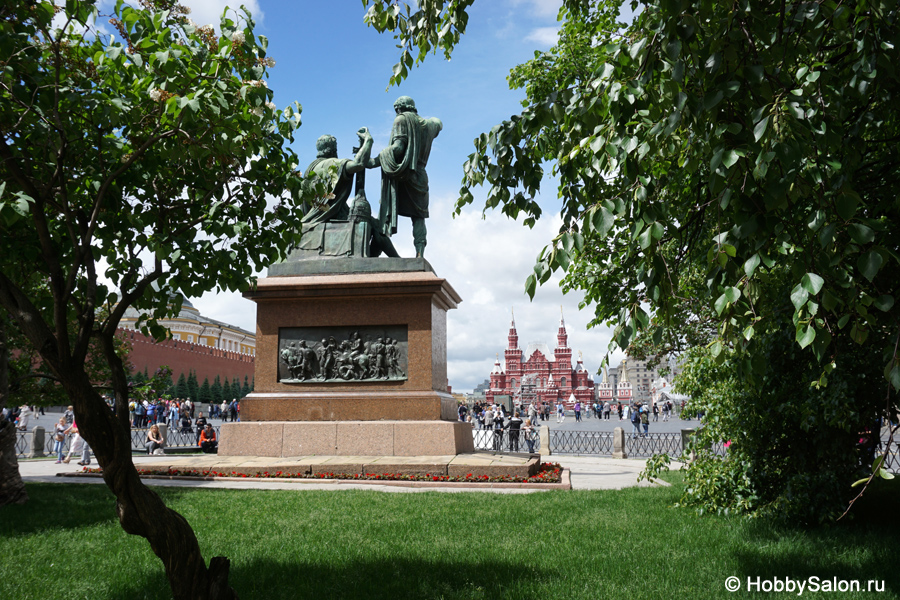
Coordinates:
<point>208,443</point>
<point>154,443</point>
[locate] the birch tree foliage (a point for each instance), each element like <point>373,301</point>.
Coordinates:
<point>743,138</point>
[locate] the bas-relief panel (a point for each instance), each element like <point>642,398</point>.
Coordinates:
<point>341,354</point>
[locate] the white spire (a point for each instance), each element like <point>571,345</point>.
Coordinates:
<point>512,323</point>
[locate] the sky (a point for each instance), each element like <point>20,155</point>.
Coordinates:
<point>337,68</point>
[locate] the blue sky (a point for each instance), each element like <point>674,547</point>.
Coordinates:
<point>337,68</point>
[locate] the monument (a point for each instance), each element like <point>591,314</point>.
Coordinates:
<point>352,346</point>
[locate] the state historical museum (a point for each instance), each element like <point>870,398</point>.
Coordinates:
<point>539,376</point>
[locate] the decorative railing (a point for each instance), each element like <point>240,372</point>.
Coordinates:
<point>581,442</point>
<point>892,451</point>
<point>174,439</point>
<point>648,444</point>
<point>506,440</point>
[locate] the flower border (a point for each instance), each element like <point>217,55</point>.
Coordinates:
<point>547,473</point>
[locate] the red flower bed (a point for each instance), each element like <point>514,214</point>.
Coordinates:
<point>547,473</point>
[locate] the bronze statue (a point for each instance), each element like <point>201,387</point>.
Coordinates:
<point>404,182</point>
<point>340,172</point>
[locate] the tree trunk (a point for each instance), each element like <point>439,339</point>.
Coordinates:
<point>12,488</point>
<point>140,510</point>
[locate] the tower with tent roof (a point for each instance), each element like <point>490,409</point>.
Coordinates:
<point>537,374</point>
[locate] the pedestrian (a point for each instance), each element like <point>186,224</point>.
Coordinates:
<point>528,431</point>
<point>200,424</point>
<point>139,415</point>
<point>69,415</point>
<point>185,422</point>
<point>577,409</point>
<point>514,426</point>
<point>79,444</point>
<point>59,439</point>
<point>655,412</point>
<point>560,412</point>
<point>25,413</point>
<point>645,419</point>
<point>498,429</point>
<point>635,423</point>
<point>207,440</point>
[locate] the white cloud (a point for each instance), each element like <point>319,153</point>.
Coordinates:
<point>543,36</point>
<point>540,9</point>
<point>209,12</point>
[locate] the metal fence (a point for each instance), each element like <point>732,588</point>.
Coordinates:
<point>892,451</point>
<point>649,444</point>
<point>581,442</point>
<point>506,440</point>
<point>174,439</point>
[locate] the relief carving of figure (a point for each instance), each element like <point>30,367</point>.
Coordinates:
<point>346,360</point>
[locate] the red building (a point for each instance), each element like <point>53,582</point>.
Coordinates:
<point>537,375</point>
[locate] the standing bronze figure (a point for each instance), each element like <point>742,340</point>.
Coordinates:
<point>404,182</point>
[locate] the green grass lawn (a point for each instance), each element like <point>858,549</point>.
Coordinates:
<point>629,544</point>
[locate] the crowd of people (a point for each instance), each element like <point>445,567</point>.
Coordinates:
<point>179,413</point>
<point>497,417</point>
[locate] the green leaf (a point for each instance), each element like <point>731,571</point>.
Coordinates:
<point>869,264</point>
<point>720,304</point>
<point>646,238</point>
<point>799,296</point>
<point>760,128</point>
<point>892,374</point>
<point>730,157</point>
<point>603,221</point>
<point>812,283</point>
<point>751,264</point>
<point>732,294</point>
<point>860,233</point>
<point>885,474</point>
<point>846,204</point>
<point>806,335</point>
<point>530,286</point>
<point>884,302</point>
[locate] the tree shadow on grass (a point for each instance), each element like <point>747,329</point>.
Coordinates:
<point>860,548</point>
<point>369,580</point>
<point>59,506</point>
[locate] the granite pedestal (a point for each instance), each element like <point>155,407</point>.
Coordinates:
<point>409,416</point>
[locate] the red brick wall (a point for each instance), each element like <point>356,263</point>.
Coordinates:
<point>184,357</point>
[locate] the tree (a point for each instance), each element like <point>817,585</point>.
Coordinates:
<point>709,154</point>
<point>246,387</point>
<point>12,488</point>
<point>204,395</point>
<point>160,141</point>
<point>181,388</point>
<point>193,387</point>
<point>216,390</point>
